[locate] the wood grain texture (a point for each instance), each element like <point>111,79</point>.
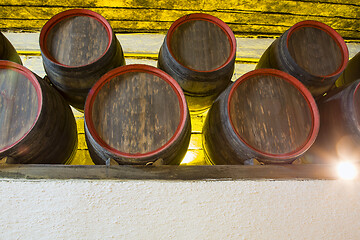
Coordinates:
<point>200,45</point>
<point>136,112</point>
<point>19,106</point>
<point>246,18</point>
<point>315,51</point>
<point>77,41</point>
<point>270,114</point>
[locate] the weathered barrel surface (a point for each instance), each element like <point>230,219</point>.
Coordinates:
<point>199,53</point>
<point>351,72</point>
<point>339,134</point>
<point>36,124</point>
<point>7,50</point>
<point>266,114</point>
<point>137,114</point>
<point>78,46</point>
<point>312,52</point>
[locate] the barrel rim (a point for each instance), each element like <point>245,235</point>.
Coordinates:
<point>204,17</point>
<point>332,33</point>
<point>67,14</point>
<point>304,92</point>
<point>126,69</point>
<point>4,64</point>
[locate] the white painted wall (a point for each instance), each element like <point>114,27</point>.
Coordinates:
<point>99,209</point>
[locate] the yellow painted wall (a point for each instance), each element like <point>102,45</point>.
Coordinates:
<point>245,17</point>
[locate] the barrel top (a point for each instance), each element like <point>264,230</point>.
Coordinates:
<point>20,103</point>
<point>273,113</point>
<point>135,110</point>
<point>201,42</point>
<point>75,38</point>
<point>317,48</point>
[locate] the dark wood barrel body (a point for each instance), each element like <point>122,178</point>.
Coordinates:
<point>199,53</point>
<point>351,72</point>
<point>36,123</point>
<point>312,52</point>
<point>137,114</point>
<point>339,134</point>
<point>78,46</point>
<point>266,115</point>
<point>7,50</point>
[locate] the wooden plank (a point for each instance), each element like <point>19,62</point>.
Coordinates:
<point>164,17</point>
<point>342,8</point>
<point>245,19</point>
<point>342,2</point>
<point>125,172</point>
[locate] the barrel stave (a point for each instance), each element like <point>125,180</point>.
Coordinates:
<point>202,65</point>
<point>53,137</point>
<point>312,52</point>
<point>73,74</point>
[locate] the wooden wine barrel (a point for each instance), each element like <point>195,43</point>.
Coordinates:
<point>266,115</point>
<point>312,52</point>
<point>78,46</point>
<point>351,72</point>
<point>36,123</point>
<point>7,50</point>
<point>137,114</point>
<point>199,53</point>
<point>339,134</point>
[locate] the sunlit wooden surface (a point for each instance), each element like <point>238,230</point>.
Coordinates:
<point>246,17</point>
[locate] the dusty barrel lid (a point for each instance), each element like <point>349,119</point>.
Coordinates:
<point>135,112</point>
<point>273,115</point>
<point>20,103</point>
<point>201,42</point>
<point>317,48</point>
<point>75,38</point>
